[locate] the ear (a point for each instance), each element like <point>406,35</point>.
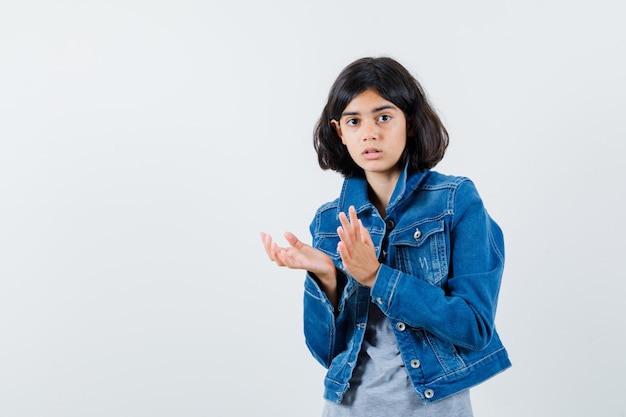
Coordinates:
<point>334,123</point>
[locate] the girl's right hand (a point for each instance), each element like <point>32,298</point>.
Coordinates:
<point>298,255</point>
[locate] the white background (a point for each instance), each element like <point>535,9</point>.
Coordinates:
<point>145,144</point>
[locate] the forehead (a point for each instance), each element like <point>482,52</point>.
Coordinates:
<point>367,102</point>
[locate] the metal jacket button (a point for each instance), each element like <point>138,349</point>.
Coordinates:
<point>417,234</point>
<point>429,393</point>
<point>415,363</point>
<point>400,326</point>
<point>390,224</point>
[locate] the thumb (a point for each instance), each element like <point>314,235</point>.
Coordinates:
<point>292,239</point>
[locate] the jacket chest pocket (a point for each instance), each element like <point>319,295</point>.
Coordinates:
<point>327,243</point>
<point>420,250</point>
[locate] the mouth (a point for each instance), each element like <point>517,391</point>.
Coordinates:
<point>371,153</point>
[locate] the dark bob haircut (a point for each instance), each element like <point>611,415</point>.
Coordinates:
<point>427,138</point>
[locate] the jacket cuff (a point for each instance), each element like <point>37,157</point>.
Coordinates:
<point>312,287</point>
<point>384,288</point>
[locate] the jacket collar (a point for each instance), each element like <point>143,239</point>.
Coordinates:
<point>355,191</point>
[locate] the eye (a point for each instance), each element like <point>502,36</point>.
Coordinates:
<point>352,122</point>
<point>384,118</point>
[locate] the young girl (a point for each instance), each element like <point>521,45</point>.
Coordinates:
<point>404,270</point>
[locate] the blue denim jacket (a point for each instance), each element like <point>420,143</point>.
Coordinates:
<point>442,260</point>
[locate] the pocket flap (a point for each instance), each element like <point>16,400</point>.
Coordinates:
<point>418,233</point>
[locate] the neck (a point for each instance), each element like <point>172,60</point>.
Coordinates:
<point>381,188</point>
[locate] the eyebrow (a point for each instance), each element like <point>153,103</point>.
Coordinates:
<point>376,110</point>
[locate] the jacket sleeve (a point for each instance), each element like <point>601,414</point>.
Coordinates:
<point>324,329</point>
<point>463,310</point>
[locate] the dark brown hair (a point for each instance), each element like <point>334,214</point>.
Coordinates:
<point>427,138</point>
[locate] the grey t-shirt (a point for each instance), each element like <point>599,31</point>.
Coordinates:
<point>380,386</point>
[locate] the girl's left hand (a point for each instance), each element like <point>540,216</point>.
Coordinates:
<point>356,249</point>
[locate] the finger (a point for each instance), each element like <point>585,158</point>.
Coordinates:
<point>267,243</point>
<point>343,252</point>
<point>354,221</point>
<point>365,235</point>
<point>344,243</point>
<point>292,239</point>
<point>277,254</point>
<point>344,229</point>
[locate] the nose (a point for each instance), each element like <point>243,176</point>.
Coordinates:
<point>369,130</point>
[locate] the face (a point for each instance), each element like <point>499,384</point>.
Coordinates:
<point>374,131</point>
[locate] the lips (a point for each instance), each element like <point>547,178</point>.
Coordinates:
<point>371,153</point>
<point>371,150</point>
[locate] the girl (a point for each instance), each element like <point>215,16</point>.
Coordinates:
<point>403,274</point>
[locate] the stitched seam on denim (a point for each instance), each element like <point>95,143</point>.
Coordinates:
<point>314,295</point>
<point>465,368</point>
<point>393,288</point>
<point>331,347</point>
<point>501,257</point>
<point>438,218</point>
<point>452,195</point>
<point>452,183</point>
<point>495,246</point>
